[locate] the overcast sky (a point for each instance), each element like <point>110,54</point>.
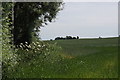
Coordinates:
<point>84,19</point>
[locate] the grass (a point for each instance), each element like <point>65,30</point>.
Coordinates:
<point>83,58</point>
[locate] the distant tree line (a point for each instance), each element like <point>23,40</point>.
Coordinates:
<point>66,38</point>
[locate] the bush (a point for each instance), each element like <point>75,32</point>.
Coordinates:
<point>27,52</point>
<point>9,58</point>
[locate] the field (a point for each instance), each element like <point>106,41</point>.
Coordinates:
<point>80,58</point>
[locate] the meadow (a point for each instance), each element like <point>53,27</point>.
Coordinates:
<point>79,58</point>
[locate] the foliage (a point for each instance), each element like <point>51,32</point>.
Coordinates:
<point>9,58</point>
<point>29,17</point>
<point>35,50</point>
<point>32,51</point>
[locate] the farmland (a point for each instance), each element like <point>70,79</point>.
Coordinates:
<point>81,58</point>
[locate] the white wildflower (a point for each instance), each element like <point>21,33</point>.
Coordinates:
<point>20,46</point>
<point>37,42</point>
<point>26,42</point>
<point>47,49</point>
<point>33,47</point>
<point>29,46</point>
<point>35,51</point>
<point>21,43</point>
<point>26,45</point>
<point>43,46</point>
<point>45,54</point>
<point>27,50</point>
<point>38,49</point>
<point>39,45</point>
<point>81,62</point>
<point>34,43</point>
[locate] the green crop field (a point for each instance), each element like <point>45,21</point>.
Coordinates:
<point>79,58</point>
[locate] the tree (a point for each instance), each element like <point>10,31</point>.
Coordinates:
<point>74,38</point>
<point>77,37</point>
<point>30,16</point>
<point>68,37</point>
<point>100,37</point>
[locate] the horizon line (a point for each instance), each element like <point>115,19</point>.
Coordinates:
<point>85,37</point>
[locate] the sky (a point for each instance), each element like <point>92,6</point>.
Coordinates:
<point>84,19</point>
<point>60,0</point>
<point>91,0</point>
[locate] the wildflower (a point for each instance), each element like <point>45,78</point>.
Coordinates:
<point>39,45</point>
<point>33,47</point>
<point>21,43</point>
<point>38,49</point>
<point>37,42</point>
<point>45,54</point>
<point>26,45</point>
<point>20,46</point>
<point>27,50</point>
<point>43,45</point>
<point>26,42</point>
<point>33,43</point>
<point>29,46</point>
<point>15,62</point>
<point>81,62</point>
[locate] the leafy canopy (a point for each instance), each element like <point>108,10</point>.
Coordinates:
<point>30,16</point>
